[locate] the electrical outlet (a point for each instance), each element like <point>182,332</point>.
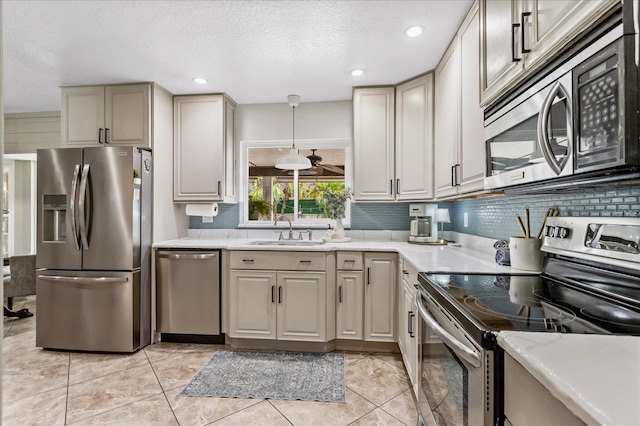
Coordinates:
<point>207,219</point>
<point>466,219</point>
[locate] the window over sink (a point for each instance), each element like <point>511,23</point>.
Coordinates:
<point>268,192</point>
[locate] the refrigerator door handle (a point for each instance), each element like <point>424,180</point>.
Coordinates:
<point>81,206</point>
<point>72,205</point>
<point>84,280</point>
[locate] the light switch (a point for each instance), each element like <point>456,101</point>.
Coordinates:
<point>466,219</point>
<point>207,219</point>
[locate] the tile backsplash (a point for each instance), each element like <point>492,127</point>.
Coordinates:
<point>490,217</point>
<point>495,217</point>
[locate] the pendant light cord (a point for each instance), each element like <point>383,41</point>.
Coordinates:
<point>293,134</point>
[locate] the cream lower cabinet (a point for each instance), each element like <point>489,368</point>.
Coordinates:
<point>253,306</point>
<point>350,296</point>
<point>521,389</point>
<point>106,115</point>
<point>408,322</point>
<point>283,304</point>
<point>380,296</point>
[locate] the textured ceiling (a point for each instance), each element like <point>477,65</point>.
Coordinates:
<point>256,51</point>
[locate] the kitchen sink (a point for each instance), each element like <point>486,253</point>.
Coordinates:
<point>285,242</point>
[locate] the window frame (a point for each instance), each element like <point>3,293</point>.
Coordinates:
<point>243,180</point>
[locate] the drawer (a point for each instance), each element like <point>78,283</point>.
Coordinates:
<point>409,272</point>
<point>280,260</point>
<point>349,261</point>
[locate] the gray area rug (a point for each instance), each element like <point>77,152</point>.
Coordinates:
<point>271,375</point>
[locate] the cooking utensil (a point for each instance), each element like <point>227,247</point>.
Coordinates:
<point>549,213</point>
<point>521,225</point>
<point>526,215</point>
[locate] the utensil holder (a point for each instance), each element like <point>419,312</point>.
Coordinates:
<point>525,253</point>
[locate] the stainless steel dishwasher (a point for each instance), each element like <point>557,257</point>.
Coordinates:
<point>188,295</point>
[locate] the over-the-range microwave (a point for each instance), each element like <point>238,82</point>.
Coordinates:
<point>578,123</point>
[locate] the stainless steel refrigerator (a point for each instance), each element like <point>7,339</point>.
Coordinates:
<point>94,245</point>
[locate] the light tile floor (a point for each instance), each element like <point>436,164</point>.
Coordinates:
<point>62,388</point>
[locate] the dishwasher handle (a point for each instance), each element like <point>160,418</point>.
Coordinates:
<point>187,255</point>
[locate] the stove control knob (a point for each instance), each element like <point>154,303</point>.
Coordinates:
<point>564,232</point>
<point>549,231</point>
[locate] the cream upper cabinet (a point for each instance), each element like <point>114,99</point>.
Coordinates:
<point>414,139</point>
<point>373,143</point>
<point>551,24</point>
<point>106,115</point>
<point>519,36</point>
<point>500,57</point>
<point>459,152</point>
<point>204,148</point>
<point>380,296</point>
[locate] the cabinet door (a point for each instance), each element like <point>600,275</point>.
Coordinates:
<point>230,179</point>
<point>414,140</point>
<point>380,296</point>
<point>127,115</point>
<point>471,154</point>
<point>301,306</point>
<point>198,148</point>
<point>413,342</point>
<point>82,116</point>
<point>500,62</point>
<point>551,24</point>
<point>409,330</point>
<point>253,304</point>
<point>373,148</point>
<point>350,307</point>
<point>446,123</point>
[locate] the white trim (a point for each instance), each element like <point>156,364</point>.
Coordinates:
<point>303,143</point>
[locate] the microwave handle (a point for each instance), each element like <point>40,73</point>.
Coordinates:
<point>543,134</point>
<point>461,350</point>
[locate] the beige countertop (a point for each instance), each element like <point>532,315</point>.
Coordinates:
<point>596,376</point>
<point>422,257</point>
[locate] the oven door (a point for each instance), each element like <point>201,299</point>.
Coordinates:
<point>531,140</point>
<point>455,385</point>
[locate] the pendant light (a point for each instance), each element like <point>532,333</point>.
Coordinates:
<point>293,160</point>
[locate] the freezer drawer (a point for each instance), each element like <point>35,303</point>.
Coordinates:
<point>91,311</point>
<point>188,292</point>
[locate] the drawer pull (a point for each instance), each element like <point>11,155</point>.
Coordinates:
<point>368,276</point>
<point>340,294</point>
<point>404,271</point>
<point>305,261</point>
<point>247,260</point>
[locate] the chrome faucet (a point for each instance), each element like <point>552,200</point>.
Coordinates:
<point>290,226</point>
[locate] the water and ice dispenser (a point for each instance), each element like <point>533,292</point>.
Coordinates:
<point>54,218</point>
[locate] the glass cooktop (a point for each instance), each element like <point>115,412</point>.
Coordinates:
<point>534,303</point>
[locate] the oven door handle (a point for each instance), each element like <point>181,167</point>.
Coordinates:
<point>471,356</point>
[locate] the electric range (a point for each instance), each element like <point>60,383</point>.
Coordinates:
<point>590,283</point>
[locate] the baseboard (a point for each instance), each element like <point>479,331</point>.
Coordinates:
<point>217,339</point>
<point>341,345</point>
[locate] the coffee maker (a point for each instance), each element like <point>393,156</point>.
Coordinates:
<point>424,228</point>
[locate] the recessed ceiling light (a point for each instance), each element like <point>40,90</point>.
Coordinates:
<point>414,31</point>
<point>199,80</point>
<point>357,72</point>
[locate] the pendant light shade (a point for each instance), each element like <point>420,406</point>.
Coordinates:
<point>293,160</point>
